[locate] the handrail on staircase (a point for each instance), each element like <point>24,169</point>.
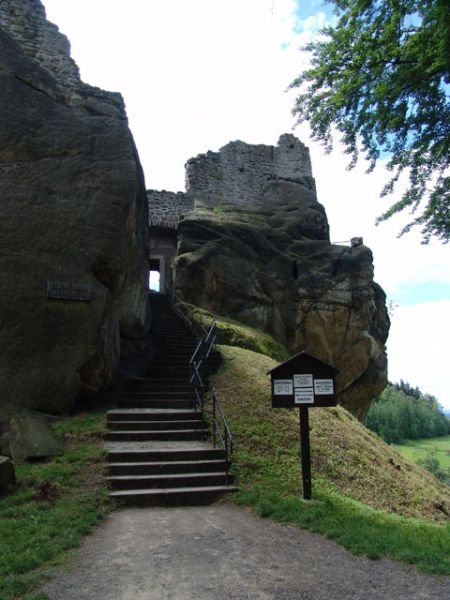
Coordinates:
<point>195,377</point>
<point>220,428</point>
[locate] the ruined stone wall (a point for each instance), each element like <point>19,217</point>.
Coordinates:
<point>25,21</point>
<point>165,209</point>
<point>237,174</point>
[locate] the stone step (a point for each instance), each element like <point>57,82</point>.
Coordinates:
<point>162,435</point>
<point>166,467</point>
<point>156,443</point>
<point>188,496</point>
<point>168,384</point>
<point>151,414</point>
<point>170,371</point>
<point>174,480</point>
<point>165,455</point>
<point>165,332</point>
<point>175,424</point>
<point>183,344</point>
<point>159,388</point>
<point>161,394</point>
<point>136,402</point>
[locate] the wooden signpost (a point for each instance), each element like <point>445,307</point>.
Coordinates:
<point>303,381</point>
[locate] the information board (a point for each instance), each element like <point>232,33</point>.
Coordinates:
<point>68,290</point>
<point>303,380</point>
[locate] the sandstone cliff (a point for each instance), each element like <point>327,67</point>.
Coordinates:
<point>74,221</point>
<point>256,248</point>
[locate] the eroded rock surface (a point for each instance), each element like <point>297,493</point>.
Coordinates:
<point>7,473</point>
<point>74,211</point>
<point>31,436</point>
<point>266,260</point>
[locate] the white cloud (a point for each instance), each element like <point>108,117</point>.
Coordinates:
<point>422,332</point>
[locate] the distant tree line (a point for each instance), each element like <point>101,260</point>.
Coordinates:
<point>403,412</point>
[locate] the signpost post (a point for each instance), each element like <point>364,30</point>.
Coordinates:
<point>303,381</point>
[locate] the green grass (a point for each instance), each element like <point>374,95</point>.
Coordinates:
<point>56,502</point>
<point>234,333</point>
<point>365,495</point>
<point>416,450</point>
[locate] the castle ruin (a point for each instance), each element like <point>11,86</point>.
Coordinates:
<point>233,177</point>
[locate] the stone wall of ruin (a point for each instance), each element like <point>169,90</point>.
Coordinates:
<point>237,174</point>
<point>25,21</point>
<point>165,209</point>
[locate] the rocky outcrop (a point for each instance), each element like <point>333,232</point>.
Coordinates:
<point>267,261</point>
<point>31,436</point>
<point>7,473</point>
<point>74,239</point>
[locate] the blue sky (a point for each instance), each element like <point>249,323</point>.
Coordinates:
<point>196,74</point>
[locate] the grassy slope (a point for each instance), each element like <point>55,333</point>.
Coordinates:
<point>56,503</point>
<point>366,495</point>
<point>415,450</point>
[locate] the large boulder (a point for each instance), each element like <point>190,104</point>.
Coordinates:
<point>274,268</point>
<point>31,436</point>
<point>74,238</point>
<point>7,473</point>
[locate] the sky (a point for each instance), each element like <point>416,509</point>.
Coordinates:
<point>197,74</point>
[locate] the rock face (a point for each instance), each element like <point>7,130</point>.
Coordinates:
<point>264,258</point>
<point>74,237</point>
<point>7,473</point>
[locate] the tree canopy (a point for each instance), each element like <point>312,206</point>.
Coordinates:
<point>402,412</point>
<point>381,77</point>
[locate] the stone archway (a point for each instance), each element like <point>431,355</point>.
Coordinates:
<point>163,246</point>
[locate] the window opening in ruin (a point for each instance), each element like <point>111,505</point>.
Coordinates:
<point>154,280</point>
<point>154,276</point>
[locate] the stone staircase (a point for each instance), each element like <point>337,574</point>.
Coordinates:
<point>158,446</point>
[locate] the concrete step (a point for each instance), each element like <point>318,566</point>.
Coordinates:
<point>175,480</point>
<point>188,496</point>
<point>166,467</point>
<point>175,424</point>
<point>162,435</point>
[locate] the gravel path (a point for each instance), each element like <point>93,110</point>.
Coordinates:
<point>223,552</point>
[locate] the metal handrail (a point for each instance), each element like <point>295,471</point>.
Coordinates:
<point>221,429</point>
<point>226,438</point>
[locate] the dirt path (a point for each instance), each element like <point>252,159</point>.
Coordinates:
<point>226,553</point>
